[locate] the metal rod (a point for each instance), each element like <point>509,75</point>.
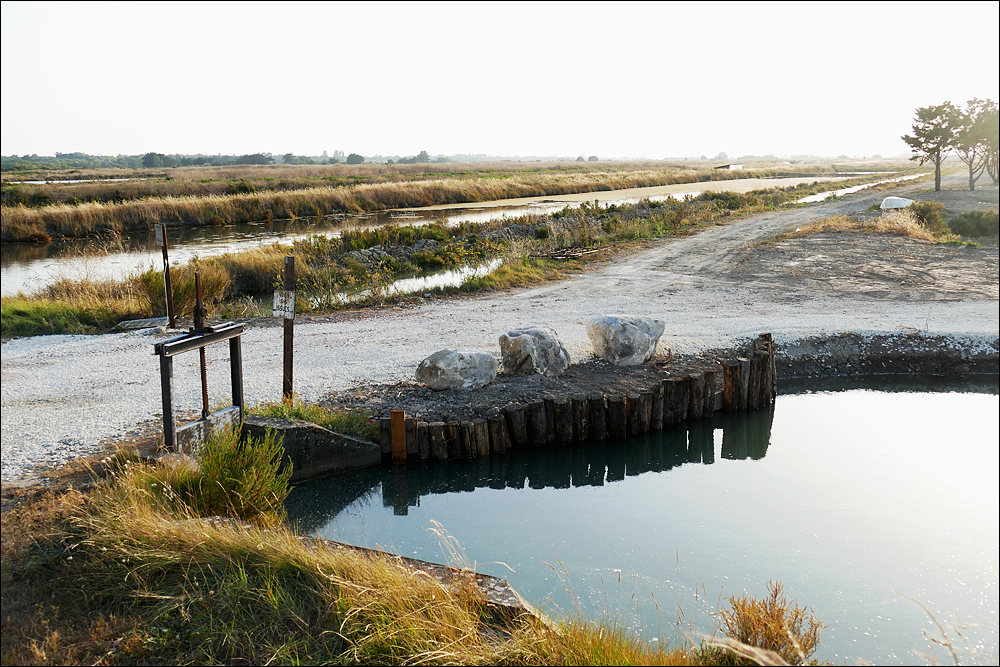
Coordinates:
<point>286,376</point>
<point>199,325</point>
<point>166,279</point>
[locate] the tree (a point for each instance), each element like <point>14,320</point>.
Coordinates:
<point>354,158</point>
<point>991,138</point>
<point>593,158</point>
<point>156,160</point>
<point>971,137</point>
<point>933,136</point>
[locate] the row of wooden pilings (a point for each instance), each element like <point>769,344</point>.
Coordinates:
<point>747,384</point>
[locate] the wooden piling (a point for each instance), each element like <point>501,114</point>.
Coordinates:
<point>466,435</point>
<point>398,425</point>
<point>684,396</point>
<point>563,412</point>
<point>516,426</point>
<point>423,441</point>
<point>753,384</point>
<point>535,417</point>
<point>550,418</point>
<point>581,418</point>
<point>411,438</point>
<point>598,417</point>
<point>672,412</point>
<point>696,399</point>
<point>498,435</point>
<point>385,436</point>
<point>645,410</point>
<point>482,439</point>
<point>656,408</point>
<point>709,406</point>
<point>617,418</point>
<point>732,387</point>
<point>439,443</point>
<point>453,439</point>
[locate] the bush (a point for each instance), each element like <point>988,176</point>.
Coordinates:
<point>772,624</point>
<point>976,223</point>
<point>928,214</point>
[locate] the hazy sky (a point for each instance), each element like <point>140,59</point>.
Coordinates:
<point>608,79</point>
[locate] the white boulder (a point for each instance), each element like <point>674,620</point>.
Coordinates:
<point>895,202</point>
<point>457,369</point>
<point>624,341</point>
<point>533,350</point>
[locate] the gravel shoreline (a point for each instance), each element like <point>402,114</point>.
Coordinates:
<point>63,396</point>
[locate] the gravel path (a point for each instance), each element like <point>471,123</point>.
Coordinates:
<point>63,395</point>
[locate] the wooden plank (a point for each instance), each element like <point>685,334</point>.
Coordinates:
<point>398,426</point>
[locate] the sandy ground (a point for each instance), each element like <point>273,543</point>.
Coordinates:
<point>63,396</point>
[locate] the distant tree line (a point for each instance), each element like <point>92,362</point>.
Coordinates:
<point>971,132</point>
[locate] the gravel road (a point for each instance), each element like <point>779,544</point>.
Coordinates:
<point>62,396</point>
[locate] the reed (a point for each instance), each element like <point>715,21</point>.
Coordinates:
<point>22,222</point>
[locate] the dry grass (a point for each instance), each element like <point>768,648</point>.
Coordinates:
<point>19,223</point>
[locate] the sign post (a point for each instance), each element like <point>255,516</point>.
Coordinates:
<point>284,307</point>
<point>161,240</point>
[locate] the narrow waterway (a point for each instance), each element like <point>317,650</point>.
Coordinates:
<point>28,268</point>
<point>857,500</point>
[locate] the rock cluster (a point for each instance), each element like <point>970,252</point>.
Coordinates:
<point>370,258</point>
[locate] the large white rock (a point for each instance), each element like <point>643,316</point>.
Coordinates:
<point>533,350</point>
<point>624,341</point>
<point>457,369</point>
<point>895,202</point>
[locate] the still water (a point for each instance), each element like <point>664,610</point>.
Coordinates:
<point>854,499</point>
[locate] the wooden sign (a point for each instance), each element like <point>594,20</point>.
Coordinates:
<point>284,304</point>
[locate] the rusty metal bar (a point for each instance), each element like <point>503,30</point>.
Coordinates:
<point>192,341</point>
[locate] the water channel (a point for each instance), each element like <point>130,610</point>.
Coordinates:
<point>28,267</point>
<point>856,499</point>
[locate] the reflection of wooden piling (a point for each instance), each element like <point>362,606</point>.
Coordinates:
<point>516,426</point>
<point>438,443</point>
<point>617,418</point>
<point>732,387</point>
<point>598,417</point>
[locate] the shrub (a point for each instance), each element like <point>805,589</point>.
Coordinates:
<point>928,214</point>
<point>975,223</point>
<point>771,624</point>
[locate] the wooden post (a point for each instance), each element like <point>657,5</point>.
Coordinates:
<point>656,408</point>
<point>745,382</point>
<point>645,411</point>
<point>412,450</point>
<point>709,406</point>
<point>516,426</point>
<point>581,418</point>
<point>398,419</point>
<point>732,385</point>
<point>498,435</point>
<point>550,418</point>
<point>684,396</point>
<point>439,445</point>
<point>617,418</point>
<point>536,422</point>
<point>453,438</point>
<point>467,432</point>
<point>385,436</point>
<point>563,411</point>
<point>482,439</point>
<point>236,374</point>
<point>288,282</point>
<point>598,417</point>
<point>161,240</point>
<point>753,386</point>
<point>696,399</point>
<point>167,394</point>
<point>423,441</point>
<point>673,414</point>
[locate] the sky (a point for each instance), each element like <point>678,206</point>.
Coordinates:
<point>616,80</point>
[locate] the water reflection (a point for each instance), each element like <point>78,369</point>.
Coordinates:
<point>744,436</point>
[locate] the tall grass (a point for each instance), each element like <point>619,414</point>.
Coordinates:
<point>349,423</point>
<point>20,222</point>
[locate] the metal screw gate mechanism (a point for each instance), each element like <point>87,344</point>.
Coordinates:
<point>197,338</point>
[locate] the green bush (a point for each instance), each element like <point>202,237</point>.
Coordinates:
<point>975,223</point>
<point>928,214</point>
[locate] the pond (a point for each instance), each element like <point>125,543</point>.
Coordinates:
<point>862,501</point>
